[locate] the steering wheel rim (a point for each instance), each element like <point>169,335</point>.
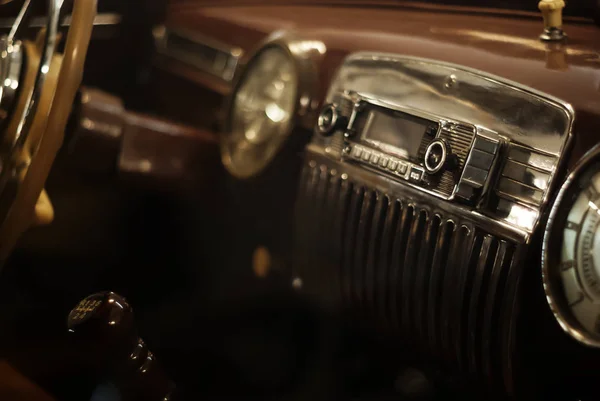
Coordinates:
<point>35,129</point>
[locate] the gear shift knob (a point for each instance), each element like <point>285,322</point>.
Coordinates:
<point>104,324</point>
<point>106,319</point>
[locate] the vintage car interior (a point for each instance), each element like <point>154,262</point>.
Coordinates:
<point>300,199</point>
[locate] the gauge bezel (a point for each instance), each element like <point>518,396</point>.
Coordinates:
<point>306,60</point>
<point>552,244</point>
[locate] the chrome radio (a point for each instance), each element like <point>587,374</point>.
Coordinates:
<point>447,158</point>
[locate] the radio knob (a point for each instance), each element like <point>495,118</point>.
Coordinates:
<point>436,156</point>
<point>330,120</point>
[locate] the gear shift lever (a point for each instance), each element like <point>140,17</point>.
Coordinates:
<point>104,324</point>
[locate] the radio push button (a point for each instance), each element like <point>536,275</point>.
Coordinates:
<point>393,165</point>
<point>375,158</point>
<point>357,152</point>
<point>416,174</point>
<point>480,159</point>
<point>486,145</point>
<point>366,156</point>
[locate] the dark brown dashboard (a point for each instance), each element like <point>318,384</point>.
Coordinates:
<point>438,272</point>
<point>494,43</point>
<point>401,192</point>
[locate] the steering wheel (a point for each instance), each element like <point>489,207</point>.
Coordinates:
<point>37,89</point>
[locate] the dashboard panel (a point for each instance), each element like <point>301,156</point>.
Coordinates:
<point>492,43</point>
<point>432,235</point>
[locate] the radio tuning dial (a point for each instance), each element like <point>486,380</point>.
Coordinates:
<point>330,120</point>
<point>436,156</point>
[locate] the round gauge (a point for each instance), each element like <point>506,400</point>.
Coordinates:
<point>261,114</point>
<point>571,268</point>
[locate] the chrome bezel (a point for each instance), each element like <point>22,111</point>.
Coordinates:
<point>420,83</point>
<point>306,56</point>
<point>327,129</point>
<point>552,288</point>
<point>438,167</point>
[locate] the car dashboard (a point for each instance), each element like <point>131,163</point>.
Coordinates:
<point>425,173</point>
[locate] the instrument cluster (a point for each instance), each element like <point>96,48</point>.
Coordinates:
<point>275,91</point>
<point>571,257</point>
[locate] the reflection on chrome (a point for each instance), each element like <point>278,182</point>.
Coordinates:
<point>593,206</point>
<point>275,113</point>
<point>522,217</point>
<point>305,46</point>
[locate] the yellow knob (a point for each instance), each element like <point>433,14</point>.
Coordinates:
<point>552,12</point>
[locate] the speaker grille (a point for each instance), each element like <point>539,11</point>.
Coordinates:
<point>437,281</point>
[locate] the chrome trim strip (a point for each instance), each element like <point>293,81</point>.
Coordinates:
<point>223,65</point>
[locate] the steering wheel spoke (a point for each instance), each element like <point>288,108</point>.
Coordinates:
<point>47,52</point>
<point>20,22</point>
<point>37,89</point>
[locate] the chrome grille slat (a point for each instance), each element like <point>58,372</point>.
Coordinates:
<point>343,204</point>
<point>429,278</point>
<point>481,273</point>
<point>375,250</point>
<point>330,197</point>
<point>302,236</point>
<point>321,189</point>
<point>384,274</point>
<point>492,308</point>
<point>423,274</point>
<point>451,283</point>
<point>408,268</point>
<point>436,282</point>
<point>349,242</point>
<point>395,283</point>
<point>360,251</point>
<point>467,272</point>
<point>510,310</point>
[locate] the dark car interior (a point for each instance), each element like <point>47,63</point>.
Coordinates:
<point>307,267</point>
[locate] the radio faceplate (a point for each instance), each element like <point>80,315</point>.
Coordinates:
<point>446,158</point>
<point>506,141</point>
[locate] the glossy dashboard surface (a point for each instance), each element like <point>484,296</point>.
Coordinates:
<point>504,46</point>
